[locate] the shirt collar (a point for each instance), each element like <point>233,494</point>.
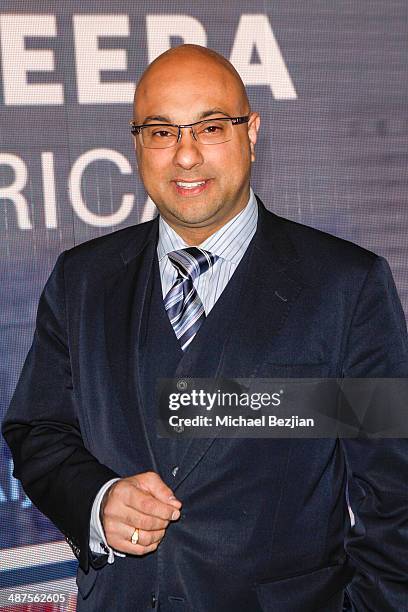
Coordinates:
<point>228,242</point>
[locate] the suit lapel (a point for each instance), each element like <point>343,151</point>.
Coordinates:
<point>125,295</point>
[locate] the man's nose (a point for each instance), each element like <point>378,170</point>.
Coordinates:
<point>187,153</point>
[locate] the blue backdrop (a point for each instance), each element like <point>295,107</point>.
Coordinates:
<point>329,80</point>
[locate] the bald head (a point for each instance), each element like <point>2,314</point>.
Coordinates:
<point>188,63</point>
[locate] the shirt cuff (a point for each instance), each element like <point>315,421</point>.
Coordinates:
<point>97,539</point>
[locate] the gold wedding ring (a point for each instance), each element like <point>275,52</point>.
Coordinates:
<point>135,536</point>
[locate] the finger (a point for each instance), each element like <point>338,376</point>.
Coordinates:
<point>129,504</point>
<point>147,541</point>
<point>122,534</point>
<point>146,521</point>
<point>130,516</point>
<point>138,549</point>
<point>146,504</point>
<point>150,481</point>
<point>142,550</point>
<point>146,538</point>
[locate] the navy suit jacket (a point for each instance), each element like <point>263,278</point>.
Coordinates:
<point>265,524</point>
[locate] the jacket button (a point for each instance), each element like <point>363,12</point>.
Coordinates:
<point>175,470</point>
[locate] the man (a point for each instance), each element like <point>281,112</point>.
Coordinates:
<point>210,525</point>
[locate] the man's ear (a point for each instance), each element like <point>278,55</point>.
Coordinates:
<point>253,128</point>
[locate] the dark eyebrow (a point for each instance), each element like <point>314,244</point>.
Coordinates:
<point>203,115</point>
<point>213,111</point>
<point>158,118</point>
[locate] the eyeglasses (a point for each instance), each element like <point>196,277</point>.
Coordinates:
<point>206,132</point>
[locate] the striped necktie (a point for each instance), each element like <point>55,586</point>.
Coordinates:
<point>183,305</point>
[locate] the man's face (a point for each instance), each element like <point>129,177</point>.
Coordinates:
<point>183,93</point>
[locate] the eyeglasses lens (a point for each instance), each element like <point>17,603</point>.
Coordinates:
<point>207,132</point>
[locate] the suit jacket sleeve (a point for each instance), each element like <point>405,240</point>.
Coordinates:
<point>41,427</point>
<point>378,489</point>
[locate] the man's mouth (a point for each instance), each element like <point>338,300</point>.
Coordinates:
<point>191,188</point>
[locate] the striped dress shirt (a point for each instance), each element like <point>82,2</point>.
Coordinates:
<point>229,242</point>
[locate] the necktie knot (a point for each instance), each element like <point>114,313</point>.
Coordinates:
<point>192,261</point>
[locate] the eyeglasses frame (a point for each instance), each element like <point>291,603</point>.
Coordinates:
<point>137,129</point>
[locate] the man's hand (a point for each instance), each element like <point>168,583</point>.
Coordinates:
<point>144,502</point>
